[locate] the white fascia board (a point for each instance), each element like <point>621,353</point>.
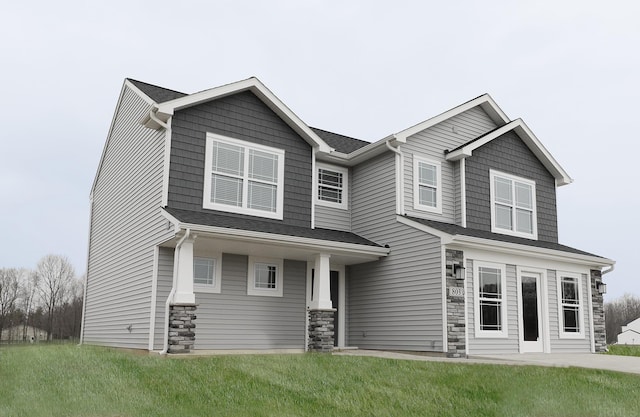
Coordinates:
<point>360,155</point>
<point>485,101</point>
<point>445,238</point>
<point>282,240</point>
<point>527,136</point>
<point>166,109</point>
<point>125,85</point>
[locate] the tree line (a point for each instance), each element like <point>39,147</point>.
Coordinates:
<point>47,299</point>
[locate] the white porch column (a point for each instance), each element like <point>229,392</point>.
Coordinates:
<point>184,280</point>
<point>321,283</point>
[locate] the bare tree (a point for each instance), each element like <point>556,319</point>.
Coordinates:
<point>9,291</point>
<point>55,275</point>
<point>618,313</point>
<point>28,298</point>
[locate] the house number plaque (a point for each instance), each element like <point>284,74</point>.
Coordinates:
<point>456,292</point>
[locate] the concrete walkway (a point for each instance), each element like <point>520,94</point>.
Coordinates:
<point>626,364</point>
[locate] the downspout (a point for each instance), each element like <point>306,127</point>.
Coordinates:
<point>611,268</point>
<point>399,175</point>
<point>167,303</point>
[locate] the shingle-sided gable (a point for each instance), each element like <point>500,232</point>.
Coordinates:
<point>245,117</point>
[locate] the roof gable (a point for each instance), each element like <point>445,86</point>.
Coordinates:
<point>155,93</point>
<point>166,109</point>
<point>533,143</point>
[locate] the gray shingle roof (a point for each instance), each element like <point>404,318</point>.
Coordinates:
<point>340,143</point>
<point>155,93</point>
<point>453,229</point>
<point>246,223</point>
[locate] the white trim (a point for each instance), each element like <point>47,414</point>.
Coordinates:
<point>503,333</point>
<point>216,287</point>
<point>463,193</point>
<point>206,198</point>
<point>493,174</point>
<point>341,303</point>
<point>527,136</point>
<point>251,277</point>
<point>254,85</point>
<point>314,185</point>
<point>166,164</point>
<point>561,332</point>
<point>417,160</point>
<point>344,205</point>
<point>543,329</point>
<point>466,307</point>
<point>154,292</point>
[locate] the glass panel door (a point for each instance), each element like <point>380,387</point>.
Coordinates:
<point>531,327</point>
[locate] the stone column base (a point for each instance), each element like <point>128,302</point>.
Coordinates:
<point>321,335</point>
<point>182,334</point>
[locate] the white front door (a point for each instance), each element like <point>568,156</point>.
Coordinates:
<point>531,335</point>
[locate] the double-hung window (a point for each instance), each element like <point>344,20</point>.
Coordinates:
<point>513,205</point>
<point>243,177</point>
<point>490,300</point>
<point>427,185</point>
<point>265,277</point>
<point>570,306</point>
<point>207,274</point>
<point>332,186</point>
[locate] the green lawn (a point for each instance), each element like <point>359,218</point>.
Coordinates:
<point>624,350</point>
<point>90,381</point>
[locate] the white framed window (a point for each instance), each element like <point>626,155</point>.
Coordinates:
<point>332,188</point>
<point>513,205</point>
<point>490,296</point>
<point>427,185</point>
<point>265,277</point>
<point>207,274</point>
<point>243,177</point>
<point>570,320</point>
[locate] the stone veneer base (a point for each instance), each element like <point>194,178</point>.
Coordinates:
<point>182,328</point>
<point>321,334</point>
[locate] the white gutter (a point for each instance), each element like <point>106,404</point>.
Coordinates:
<point>154,117</point>
<point>167,303</point>
<point>463,193</point>
<point>399,175</point>
<point>611,268</point>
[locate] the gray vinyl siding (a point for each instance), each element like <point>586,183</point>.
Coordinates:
<point>559,345</point>
<point>241,116</point>
<point>480,345</point>
<point>163,288</point>
<point>431,144</point>
<point>125,227</point>
<point>235,320</point>
<point>396,302</point>
<point>510,155</point>
<point>335,218</point>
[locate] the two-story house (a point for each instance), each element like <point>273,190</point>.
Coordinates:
<point>221,221</point>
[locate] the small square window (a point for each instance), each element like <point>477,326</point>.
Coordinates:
<point>332,186</point>
<point>207,274</point>
<point>265,277</point>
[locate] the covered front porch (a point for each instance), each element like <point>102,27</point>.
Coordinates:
<point>253,291</point>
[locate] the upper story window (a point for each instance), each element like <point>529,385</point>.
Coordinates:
<point>332,186</point>
<point>243,177</point>
<point>570,305</point>
<point>427,185</point>
<point>513,205</point>
<point>207,274</point>
<point>490,300</point>
<point>265,277</point>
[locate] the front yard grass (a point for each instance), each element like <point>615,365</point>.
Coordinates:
<point>624,350</point>
<point>93,381</point>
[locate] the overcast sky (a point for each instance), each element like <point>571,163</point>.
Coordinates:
<point>365,69</point>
